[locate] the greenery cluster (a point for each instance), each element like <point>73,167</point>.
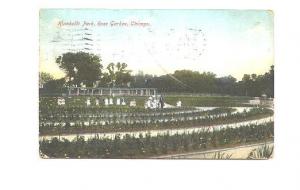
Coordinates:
<point>264,152</point>
<point>86,69</point>
<point>75,122</point>
<point>195,82</point>
<point>147,146</point>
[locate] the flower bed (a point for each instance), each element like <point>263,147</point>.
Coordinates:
<point>146,146</point>
<point>109,121</point>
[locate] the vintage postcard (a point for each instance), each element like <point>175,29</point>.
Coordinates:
<point>156,84</point>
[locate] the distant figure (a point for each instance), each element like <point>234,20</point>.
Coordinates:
<point>97,102</point>
<point>111,101</point>
<point>123,102</point>
<point>154,102</point>
<point>118,101</point>
<point>178,103</point>
<point>148,103</point>
<point>106,101</point>
<point>132,103</point>
<point>161,101</point>
<point>61,101</point>
<point>88,102</point>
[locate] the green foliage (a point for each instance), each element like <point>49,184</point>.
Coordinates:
<point>183,81</point>
<point>104,119</point>
<point>117,75</point>
<point>147,146</point>
<point>45,77</point>
<point>86,68</point>
<point>215,101</point>
<point>54,86</point>
<point>80,67</point>
<point>256,85</point>
<point>264,152</point>
<point>221,156</point>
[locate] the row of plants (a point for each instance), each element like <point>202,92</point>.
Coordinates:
<point>260,153</point>
<point>80,101</point>
<point>88,114</point>
<point>263,152</point>
<point>218,101</point>
<point>108,109</point>
<point>187,100</point>
<point>146,146</point>
<point>117,125</point>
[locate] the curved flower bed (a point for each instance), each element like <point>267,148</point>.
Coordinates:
<point>112,122</point>
<point>103,114</point>
<point>146,146</point>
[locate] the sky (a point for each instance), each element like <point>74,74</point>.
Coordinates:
<point>225,42</point>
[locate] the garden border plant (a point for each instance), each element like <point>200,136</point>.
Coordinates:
<point>150,123</point>
<point>147,146</point>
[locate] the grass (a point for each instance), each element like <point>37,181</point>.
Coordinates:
<point>264,152</point>
<point>213,101</point>
<point>221,156</point>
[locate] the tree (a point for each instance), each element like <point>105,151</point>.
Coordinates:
<point>226,85</point>
<point>268,82</point>
<point>81,68</point>
<point>256,85</point>
<point>44,78</point>
<point>246,80</point>
<point>54,86</point>
<point>206,82</point>
<point>117,75</point>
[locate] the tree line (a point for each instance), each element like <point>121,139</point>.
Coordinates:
<point>195,82</point>
<point>85,69</point>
